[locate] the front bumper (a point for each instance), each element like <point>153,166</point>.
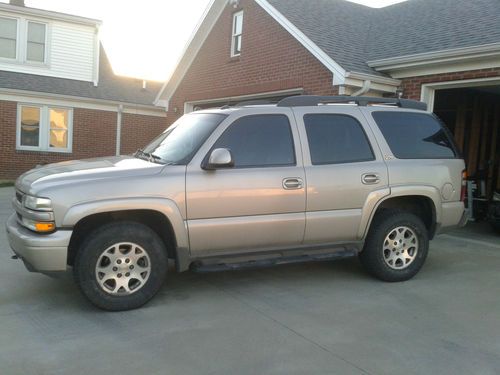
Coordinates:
<point>39,252</point>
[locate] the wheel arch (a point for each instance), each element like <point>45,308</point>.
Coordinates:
<point>161,215</point>
<point>424,201</point>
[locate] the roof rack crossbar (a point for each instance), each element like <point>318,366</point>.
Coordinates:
<point>362,101</point>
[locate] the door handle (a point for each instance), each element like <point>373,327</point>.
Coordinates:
<point>370,178</point>
<point>292,183</point>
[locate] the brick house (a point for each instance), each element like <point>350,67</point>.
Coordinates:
<point>445,52</point>
<point>59,97</point>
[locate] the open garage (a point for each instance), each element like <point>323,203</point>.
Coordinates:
<point>472,112</point>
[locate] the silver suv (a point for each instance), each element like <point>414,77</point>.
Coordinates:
<point>308,179</point>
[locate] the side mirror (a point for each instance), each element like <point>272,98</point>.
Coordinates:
<point>219,158</point>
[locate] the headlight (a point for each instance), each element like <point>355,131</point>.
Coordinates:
<point>39,226</point>
<point>37,204</point>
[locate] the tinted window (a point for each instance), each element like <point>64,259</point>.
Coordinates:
<point>336,139</point>
<point>415,135</point>
<point>259,141</point>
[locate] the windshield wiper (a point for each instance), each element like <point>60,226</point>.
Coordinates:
<point>141,154</point>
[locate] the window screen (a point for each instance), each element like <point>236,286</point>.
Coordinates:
<point>8,37</point>
<point>415,135</point>
<point>35,49</point>
<point>259,141</point>
<point>336,139</point>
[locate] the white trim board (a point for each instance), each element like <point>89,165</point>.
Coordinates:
<point>337,71</point>
<point>428,90</point>
<point>78,102</point>
<point>209,19</point>
<point>49,15</point>
<point>439,62</point>
<point>193,46</point>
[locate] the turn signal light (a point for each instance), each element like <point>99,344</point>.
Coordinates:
<point>44,227</point>
<point>39,226</point>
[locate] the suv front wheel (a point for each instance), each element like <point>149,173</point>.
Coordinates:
<point>396,246</point>
<point>121,266</point>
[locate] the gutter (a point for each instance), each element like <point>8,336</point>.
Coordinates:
<point>374,78</point>
<point>436,57</point>
<point>76,100</point>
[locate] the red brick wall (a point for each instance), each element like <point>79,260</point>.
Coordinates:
<point>139,130</point>
<point>412,87</point>
<point>94,134</point>
<point>271,60</point>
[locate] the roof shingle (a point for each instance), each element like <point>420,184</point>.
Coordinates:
<point>110,86</point>
<point>353,34</point>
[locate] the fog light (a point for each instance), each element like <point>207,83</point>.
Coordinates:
<point>39,226</point>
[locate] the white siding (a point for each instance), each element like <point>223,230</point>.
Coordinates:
<point>70,52</point>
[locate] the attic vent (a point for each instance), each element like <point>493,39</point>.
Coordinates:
<point>17,3</point>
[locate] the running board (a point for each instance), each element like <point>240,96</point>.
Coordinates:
<point>199,266</point>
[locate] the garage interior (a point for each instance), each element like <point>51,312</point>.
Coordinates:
<point>473,116</point>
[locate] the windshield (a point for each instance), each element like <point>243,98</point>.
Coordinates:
<point>179,143</point>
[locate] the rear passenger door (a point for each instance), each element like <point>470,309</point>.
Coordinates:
<point>344,171</point>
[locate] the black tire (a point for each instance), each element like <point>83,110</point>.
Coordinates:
<point>92,249</point>
<point>372,257</point>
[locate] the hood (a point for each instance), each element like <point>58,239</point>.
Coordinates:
<point>78,171</point>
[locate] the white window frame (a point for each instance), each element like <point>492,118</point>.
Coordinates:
<point>234,35</point>
<point>18,34</point>
<point>25,43</point>
<point>44,129</point>
<point>22,42</point>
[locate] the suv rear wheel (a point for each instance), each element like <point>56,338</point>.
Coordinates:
<point>121,266</point>
<point>396,246</point>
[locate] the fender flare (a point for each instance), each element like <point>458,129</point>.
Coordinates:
<point>376,198</point>
<point>164,206</point>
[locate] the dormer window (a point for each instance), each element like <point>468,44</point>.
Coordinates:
<point>8,38</point>
<point>237,34</point>
<point>23,41</point>
<point>35,45</point>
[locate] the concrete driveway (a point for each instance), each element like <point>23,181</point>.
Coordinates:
<point>322,318</point>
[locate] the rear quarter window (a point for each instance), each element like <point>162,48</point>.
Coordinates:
<point>415,135</point>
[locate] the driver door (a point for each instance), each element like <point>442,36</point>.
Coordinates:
<point>257,205</point>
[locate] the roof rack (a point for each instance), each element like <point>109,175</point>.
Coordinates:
<point>255,102</point>
<point>362,101</point>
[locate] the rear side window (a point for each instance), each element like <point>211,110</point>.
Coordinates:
<point>259,141</point>
<point>415,135</point>
<point>335,139</point>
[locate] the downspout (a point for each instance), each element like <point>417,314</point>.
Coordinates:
<point>119,129</point>
<point>363,90</point>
